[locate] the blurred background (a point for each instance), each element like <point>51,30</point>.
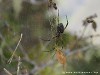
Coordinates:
<point>33,19</point>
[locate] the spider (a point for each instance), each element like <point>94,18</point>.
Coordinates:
<point>59,29</point>
<point>58,53</point>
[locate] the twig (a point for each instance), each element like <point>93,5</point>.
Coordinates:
<point>80,38</point>
<point>77,50</point>
<point>26,57</point>
<point>7,71</point>
<point>37,69</point>
<point>58,16</point>
<point>9,48</point>
<point>10,60</point>
<point>92,36</point>
<point>18,66</point>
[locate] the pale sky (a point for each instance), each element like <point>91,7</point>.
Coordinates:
<point>77,11</point>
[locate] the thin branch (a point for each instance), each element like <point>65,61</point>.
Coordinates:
<point>77,50</point>
<point>18,66</point>
<point>10,60</point>
<point>7,71</point>
<point>58,16</point>
<point>92,36</point>
<point>26,57</point>
<point>80,38</point>
<point>39,68</point>
<point>9,48</point>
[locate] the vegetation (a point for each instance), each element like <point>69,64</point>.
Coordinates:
<point>25,28</point>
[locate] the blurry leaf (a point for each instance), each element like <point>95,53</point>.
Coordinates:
<point>90,20</point>
<point>94,25</point>
<point>92,16</point>
<point>61,57</point>
<point>85,23</point>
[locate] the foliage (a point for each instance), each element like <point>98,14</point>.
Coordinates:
<point>31,20</point>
